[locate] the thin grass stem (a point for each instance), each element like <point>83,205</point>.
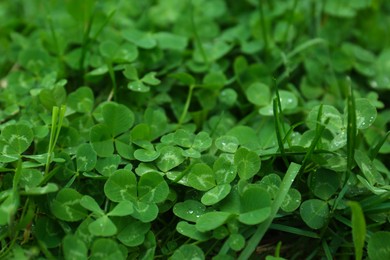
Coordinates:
<point>279,130</point>
<point>186,105</point>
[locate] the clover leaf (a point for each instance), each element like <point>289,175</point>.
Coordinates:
<point>378,248</point>
<point>66,205</point>
<point>368,169</point>
<point>246,136</point>
<point>170,157</point>
<point>152,188</point>
<point>74,247</point>
<point>248,163</point>
<point>365,113</point>
<point>189,210</point>
<point>17,139</point>
<point>123,208</point>
<point>145,212</point>
<point>314,213</point>
<point>134,233</point>
<point>86,157</point>
<point>212,220</point>
<point>103,226</point>
<point>170,41</point>
<point>108,165</point>
<point>216,194</point>
<point>116,119</point>
<point>236,242</point>
<point>120,186</point>
<point>201,177</point>
<point>189,230</point>
<point>141,39</point>
<point>82,100</point>
<point>227,143</point>
<point>254,211</point>
<point>324,183</point>
<point>258,94</point>
<point>188,252</point>
<point>105,248</point>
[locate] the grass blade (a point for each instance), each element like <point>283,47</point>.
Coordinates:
<point>57,119</point>
<point>358,228</point>
<point>319,130</point>
<point>351,143</point>
<point>351,130</point>
<point>293,230</point>
<point>278,129</point>
<point>327,251</point>
<point>375,149</point>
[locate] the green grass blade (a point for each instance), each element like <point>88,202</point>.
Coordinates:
<point>373,152</point>
<point>319,130</point>
<point>57,119</point>
<point>111,73</point>
<point>293,230</point>
<point>264,29</point>
<point>319,115</point>
<point>290,22</point>
<point>304,46</point>
<point>327,251</point>
<point>351,130</point>
<point>54,118</point>
<point>60,123</point>
<point>358,229</point>
<point>186,105</point>
<point>85,42</point>
<point>351,143</point>
<point>279,130</point>
<point>196,35</point>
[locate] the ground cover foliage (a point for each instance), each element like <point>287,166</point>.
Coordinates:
<point>194,129</point>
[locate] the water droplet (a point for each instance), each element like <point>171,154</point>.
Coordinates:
<point>373,84</point>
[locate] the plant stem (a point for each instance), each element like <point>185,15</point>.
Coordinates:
<point>351,143</point>
<point>263,27</point>
<point>113,79</point>
<point>186,105</point>
<point>57,119</point>
<point>279,129</point>
<point>85,44</point>
<point>197,38</point>
<point>290,18</point>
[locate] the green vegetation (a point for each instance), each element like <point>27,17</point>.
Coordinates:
<point>194,129</point>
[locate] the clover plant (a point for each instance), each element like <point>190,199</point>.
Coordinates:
<point>194,129</point>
